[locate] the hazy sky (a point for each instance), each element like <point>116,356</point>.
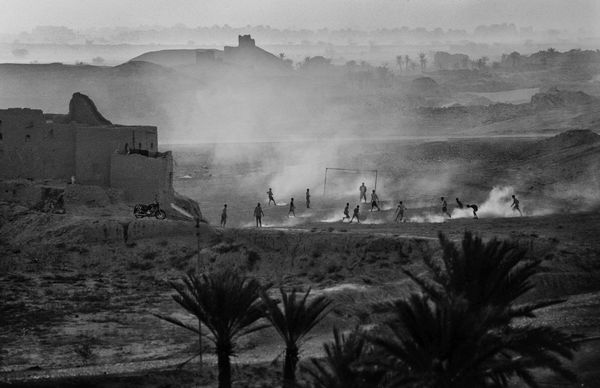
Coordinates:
<point>22,15</point>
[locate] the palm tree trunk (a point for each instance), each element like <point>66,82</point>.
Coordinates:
<point>224,366</point>
<point>289,366</point>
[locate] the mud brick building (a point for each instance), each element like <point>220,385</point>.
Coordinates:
<point>35,145</point>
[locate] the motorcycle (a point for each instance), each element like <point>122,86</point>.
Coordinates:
<point>150,210</point>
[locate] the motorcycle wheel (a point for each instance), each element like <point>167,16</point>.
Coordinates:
<point>161,215</point>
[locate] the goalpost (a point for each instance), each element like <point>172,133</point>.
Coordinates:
<point>346,170</point>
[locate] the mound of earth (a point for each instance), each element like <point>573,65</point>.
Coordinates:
<point>555,98</point>
<point>572,138</point>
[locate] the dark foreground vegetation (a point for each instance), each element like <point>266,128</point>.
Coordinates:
<point>467,324</point>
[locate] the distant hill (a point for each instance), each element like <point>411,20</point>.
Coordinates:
<point>553,109</point>
<point>246,55</point>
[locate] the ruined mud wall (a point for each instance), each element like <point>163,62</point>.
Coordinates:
<point>33,148</point>
<point>20,191</point>
<point>95,145</point>
<point>143,177</point>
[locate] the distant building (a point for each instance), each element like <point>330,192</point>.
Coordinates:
<point>246,55</point>
<point>35,145</point>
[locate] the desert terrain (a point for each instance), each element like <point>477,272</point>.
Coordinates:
<point>78,294</point>
<point>79,291</point>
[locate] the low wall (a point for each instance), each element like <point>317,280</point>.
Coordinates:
<point>20,191</point>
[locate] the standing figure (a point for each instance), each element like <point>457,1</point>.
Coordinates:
<point>224,216</point>
<point>292,208</point>
<point>308,198</point>
<point>356,210</point>
<point>460,204</point>
<point>258,213</point>
<point>515,205</point>
<point>363,192</point>
<point>475,208</point>
<point>374,201</point>
<point>270,194</point>
<point>445,207</point>
<point>346,212</point>
<point>400,212</point>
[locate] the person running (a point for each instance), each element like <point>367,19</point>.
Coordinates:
<point>374,201</point>
<point>460,204</point>
<point>475,208</point>
<point>270,194</point>
<point>515,205</point>
<point>292,208</point>
<point>346,212</point>
<point>445,207</point>
<point>363,192</point>
<point>308,198</point>
<point>400,212</point>
<point>356,210</point>
<point>224,216</point>
<point>258,213</point>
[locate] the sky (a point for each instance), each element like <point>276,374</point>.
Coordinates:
<point>23,15</point>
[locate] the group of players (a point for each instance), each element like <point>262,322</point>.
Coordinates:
<point>398,214</point>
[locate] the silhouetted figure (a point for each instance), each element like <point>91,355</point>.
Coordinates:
<point>475,208</point>
<point>460,204</point>
<point>292,208</point>
<point>374,201</point>
<point>363,192</point>
<point>308,198</point>
<point>515,205</point>
<point>346,212</point>
<point>224,216</point>
<point>355,215</point>
<point>445,207</point>
<point>270,194</point>
<point>400,212</point>
<point>258,214</point>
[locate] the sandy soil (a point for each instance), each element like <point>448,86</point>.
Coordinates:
<point>80,307</point>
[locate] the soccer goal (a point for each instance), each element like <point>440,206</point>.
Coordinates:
<point>346,178</point>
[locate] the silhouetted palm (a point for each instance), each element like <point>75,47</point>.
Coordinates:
<point>293,322</point>
<point>430,344</point>
<point>228,304</point>
<point>487,275</point>
<point>342,366</point>
<point>462,331</point>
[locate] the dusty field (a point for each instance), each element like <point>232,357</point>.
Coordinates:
<point>83,306</point>
<point>72,305</point>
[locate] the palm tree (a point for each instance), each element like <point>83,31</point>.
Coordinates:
<point>293,322</point>
<point>461,331</point>
<point>493,274</point>
<point>342,366</point>
<point>427,344</point>
<point>228,304</point>
<point>423,61</point>
<point>399,62</point>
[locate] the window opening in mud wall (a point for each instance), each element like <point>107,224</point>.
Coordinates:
<point>27,137</point>
<point>151,145</point>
